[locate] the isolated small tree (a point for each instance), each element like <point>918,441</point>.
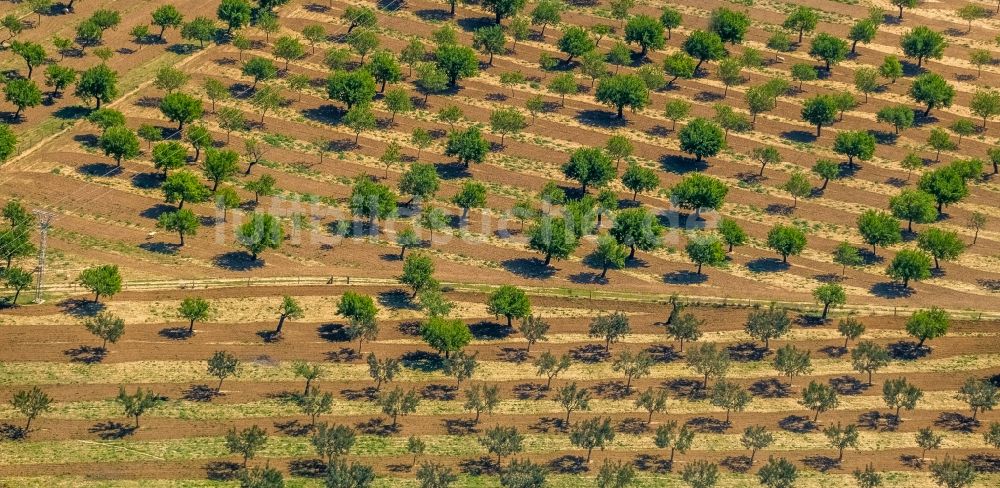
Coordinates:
<point>976,222</point>
<point>851,328</point>
<point>246,442</point>
<point>331,442</point>
<point>308,372</point>
<point>482,398</point>
<point>502,441</point>
<point>940,244</point>
<point>595,432</point>
<point>668,436</point>
<point>933,91</point>
<point>685,327</point>
<point>819,397</point>
<point>314,403</point>
<point>104,280</point>
<point>382,371</point>
<point>899,394</point>
<point>138,403</point>
<point>611,328</point>
<point>900,117</point>
<point>792,362</point>
<point>18,279</point>
<point>868,357</point>
<point>829,49</point>
<point>119,142</point>
<point>862,31</point>
<point>981,395</point>
<point>572,398</point>
<point>633,366</point>
<point>434,475</point>
<point>923,43</point>
<point>732,234</point>
<point>490,40</point>
<point>223,365</point>
<point>730,396</point>
<point>778,473</point>
<point>927,440</point>
<point>819,111</point>
<point>928,324</point>
<point>184,222</point>
<point>550,366</point>
<point>709,361</point>
<point>952,473</point>
<point>798,186</point>
<point>913,206</point>
<point>909,264</point>
<point>768,323</point>
<point>260,232</point>
<point>705,249</point>
<point>290,308</point>
<point>841,438</point>
<point>461,365</point>
<point>755,438</point>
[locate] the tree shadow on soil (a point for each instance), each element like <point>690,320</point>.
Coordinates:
<point>78,307</point>
<point>956,422</point>
<point>333,332</point>
<point>770,388</point>
<point>12,432</point>
<point>589,353</point>
<point>86,354</point>
<point>907,351</point>
<point>890,290</point>
<point>479,466</point>
<point>368,393</point>
<point>984,463</point>
<point>293,428</point>
<point>663,353</point>
<point>222,470</point>
<point>820,463</point>
<point>439,392</point>
<point>798,424</point>
<point>600,118</point>
<point>745,352</point>
<point>111,430</point>
<point>513,354</point>
<point>99,170</point>
<point>684,277</point>
<point>307,468</point>
<point>878,421</point>
<point>848,385</point>
<point>237,261</point>
<point>652,463</point>
<point>459,426</point>
<point>569,464</point>
<point>767,265</point>
<point>531,268</point>
<point>342,355</point>
<point>147,180</point>
<point>530,391</point>
<point>397,299</point>
<point>490,331</point>
<point>422,361</point>
<point>708,425</point>
<point>377,426</point>
<point>685,388</point>
<point>681,165</point>
<point>612,390</point>
<point>737,464</point>
<point>200,393</point>
<point>632,426</point>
